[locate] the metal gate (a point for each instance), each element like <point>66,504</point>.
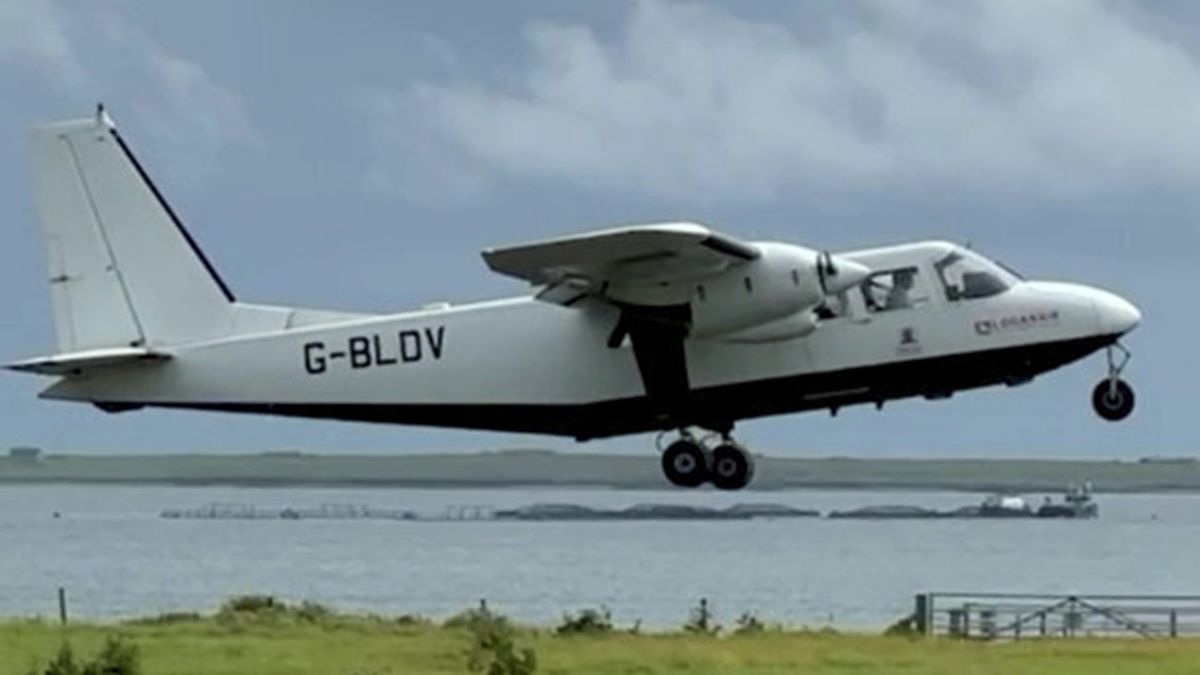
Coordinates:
<point>1015,616</point>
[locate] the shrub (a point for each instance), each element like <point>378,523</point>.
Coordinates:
<point>251,604</point>
<point>267,607</point>
<point>312,612</point>
<point>749,624</point>
<point>493,650</point>
<point>468,618</point>
<point>63,663</point>
<point>116,657</point>
<point>587,622</point>
<point>700,621</point>
<point>167,618</point>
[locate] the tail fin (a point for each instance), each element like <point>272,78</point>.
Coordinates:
<point>123,270</point>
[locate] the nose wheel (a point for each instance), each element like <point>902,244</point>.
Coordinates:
<point>689,463</point>
<point>1113,398</point>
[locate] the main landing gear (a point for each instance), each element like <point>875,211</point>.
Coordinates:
<point>689,462</point>
<point>1113,398</point>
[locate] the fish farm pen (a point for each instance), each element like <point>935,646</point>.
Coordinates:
<point>1078,504</point>
<point>535,512</point>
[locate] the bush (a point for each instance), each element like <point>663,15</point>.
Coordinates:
<point>63,663</point>
<point>410,620</point>
<point>167,618</point>
<point>117,657</point>
<point>587,622</point>
<point>267,607</point>
<point>493,650</point>
<point>312,612</point>
<point>749,624</point>
<point>701,620</point>
<point>469,618</point>
<point>252,604</point>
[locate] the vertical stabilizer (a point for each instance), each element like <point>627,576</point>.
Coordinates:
<point>123,270</point>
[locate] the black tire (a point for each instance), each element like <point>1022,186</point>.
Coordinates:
<point>685,464</point>
<point>732,467</point>
<point>1112,404</point>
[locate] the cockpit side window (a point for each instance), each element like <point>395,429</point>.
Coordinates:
<point>967,276</point>
<point>890,290</point>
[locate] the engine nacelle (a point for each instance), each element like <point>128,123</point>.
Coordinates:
<point>774,293</point>
<point>781,286</point>
<point>798,325</point>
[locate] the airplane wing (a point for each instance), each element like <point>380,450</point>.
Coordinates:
<point>622,264</point>
<point>77,362</point>
<point>586,264</point>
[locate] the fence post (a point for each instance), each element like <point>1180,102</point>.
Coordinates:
<point>1174,623</point>
<point>923,612</point>
<point>62,605</point>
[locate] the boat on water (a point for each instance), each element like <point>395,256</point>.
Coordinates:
<point>1077,503</point>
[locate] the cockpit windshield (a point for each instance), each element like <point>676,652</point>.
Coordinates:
<point>967,275</point>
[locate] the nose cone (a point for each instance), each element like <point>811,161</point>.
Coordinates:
<point>849,274</point>
<point>1117,315</point>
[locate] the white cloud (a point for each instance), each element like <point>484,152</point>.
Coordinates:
<point>34,32</point>
<point>1068,97</point>
<point>94,52</point>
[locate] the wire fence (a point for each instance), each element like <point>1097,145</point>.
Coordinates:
<point>1013,616</point>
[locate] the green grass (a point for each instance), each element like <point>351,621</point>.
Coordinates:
<point>267,643</point>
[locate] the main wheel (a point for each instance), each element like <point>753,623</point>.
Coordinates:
<point>685,463</point>
<point>1113,403</point>
<point>732,467</point>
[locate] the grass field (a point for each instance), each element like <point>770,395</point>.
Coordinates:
<point>272,643</point>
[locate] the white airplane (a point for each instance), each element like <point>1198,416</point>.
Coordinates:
<point>664,327</point>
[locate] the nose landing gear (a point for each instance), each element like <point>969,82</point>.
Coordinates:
<point>688,462</point>
<point>1113,398</point>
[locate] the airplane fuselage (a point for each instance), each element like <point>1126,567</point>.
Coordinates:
<point>526,365</point>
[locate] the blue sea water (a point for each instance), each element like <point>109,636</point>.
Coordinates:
<point>117,558</point>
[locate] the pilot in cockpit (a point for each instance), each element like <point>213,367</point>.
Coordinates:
<point>902,283</point>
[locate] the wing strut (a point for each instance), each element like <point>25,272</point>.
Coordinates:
<point>657,335</point>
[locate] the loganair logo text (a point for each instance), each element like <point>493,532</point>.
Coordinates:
<point>1016,322</point>
<point>375,350</point>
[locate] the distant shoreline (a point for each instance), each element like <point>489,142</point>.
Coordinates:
<point>533,468</point>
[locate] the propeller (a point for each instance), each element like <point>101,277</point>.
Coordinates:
<point>836,277</point>
<point>826,270</point>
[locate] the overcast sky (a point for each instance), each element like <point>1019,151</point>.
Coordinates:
<point>359,155</point>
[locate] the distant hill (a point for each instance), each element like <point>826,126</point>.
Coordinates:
<point>537,467</point>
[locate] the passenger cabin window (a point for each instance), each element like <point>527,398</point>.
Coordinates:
<point>968,276</point>
<point>893,289</point>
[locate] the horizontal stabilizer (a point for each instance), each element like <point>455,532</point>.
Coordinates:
<point>78,362</point>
